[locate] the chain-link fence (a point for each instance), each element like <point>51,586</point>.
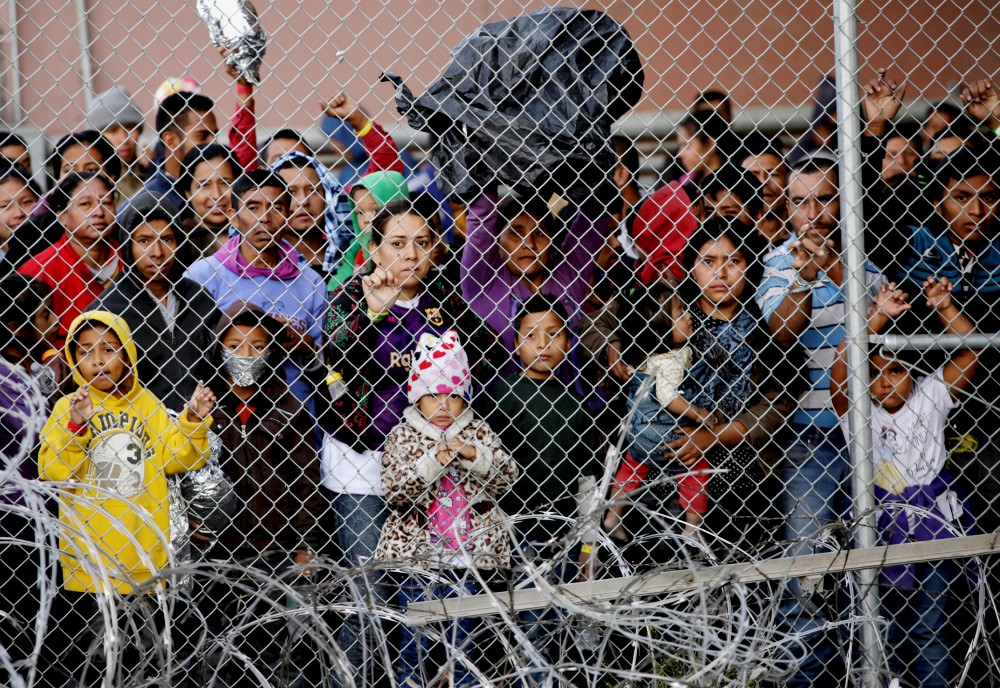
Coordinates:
<point>499,344</point>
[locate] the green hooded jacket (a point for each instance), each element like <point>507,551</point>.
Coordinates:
<point>384,187</point>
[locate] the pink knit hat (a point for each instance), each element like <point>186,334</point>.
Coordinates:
<point>440,366</point>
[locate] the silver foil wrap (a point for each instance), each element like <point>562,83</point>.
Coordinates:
<point>244,371</point>
<point>209,494</point>
<point>233,24</point>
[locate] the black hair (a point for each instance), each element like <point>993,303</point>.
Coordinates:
<point>739,182</point>
<point>706,125</point>
<point>944,107</point>
<point>710,95</point>
<point>514,207</point>
<point>756,143</point>
<point>815,164</point>
<point>645,323</point>
<point>146,207</point>
<point>905,130</point>
<point>250,316</point>
<point>172,115</point>
<point>257,179</point>
<point>20,299</point>
<point>961,127</point>
<point>746,240</point>
<point>88,138</point>
<point>60,196</point>
<point>12,171</point>
<point>540,303</point>
<point>962,164</point>
<point>204,152</point>
<point>627,153</point>
<point>428,207</point>
<point>10,138</point>
<point>393,209</point>
<point>93,324</point>
<point>286,134</point>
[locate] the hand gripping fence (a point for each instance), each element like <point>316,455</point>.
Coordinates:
<point>507,344</point>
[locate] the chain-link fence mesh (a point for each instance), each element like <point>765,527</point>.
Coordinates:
<point>499,344</point>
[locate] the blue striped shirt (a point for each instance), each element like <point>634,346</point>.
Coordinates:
<point>821,337</point>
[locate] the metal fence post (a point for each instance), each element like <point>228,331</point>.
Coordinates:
<point>852,223</point>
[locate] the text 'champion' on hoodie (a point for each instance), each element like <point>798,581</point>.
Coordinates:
<point>115,515</point>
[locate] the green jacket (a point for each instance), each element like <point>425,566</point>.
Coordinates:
<point>384,187</point>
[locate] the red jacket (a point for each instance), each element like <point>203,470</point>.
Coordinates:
<point>661,230</point>
<point>74,286</point>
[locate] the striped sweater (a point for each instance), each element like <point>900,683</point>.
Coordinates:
<point>821,337</point>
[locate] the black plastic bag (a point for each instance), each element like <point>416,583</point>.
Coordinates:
<point>529,102</point>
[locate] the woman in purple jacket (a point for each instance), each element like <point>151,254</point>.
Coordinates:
<point>373,326</point>
<point>509,256</point>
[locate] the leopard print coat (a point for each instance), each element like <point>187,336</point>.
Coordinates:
<point>410,474</point>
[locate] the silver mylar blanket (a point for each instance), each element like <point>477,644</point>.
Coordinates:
<point>233,24</point>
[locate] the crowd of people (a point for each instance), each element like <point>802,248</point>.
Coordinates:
<point>388,375</point>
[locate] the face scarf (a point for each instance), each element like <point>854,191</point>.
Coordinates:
<point>337,225</point>
<point>245,371</point>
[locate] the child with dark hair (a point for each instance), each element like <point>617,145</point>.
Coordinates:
<point>654,327</point>
<point>443,471</point>
<point>27,329</point>
<point>917,498</point>
<point>111,445</point>
<point>543,422</point>
<point>369,194</point>
<point>959,243</point>
<point>510,254</point>
<point>266,434</point>
<point>552,436</point>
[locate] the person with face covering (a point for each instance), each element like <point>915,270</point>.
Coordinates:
<point>319,214</point>
<point>169,315</point>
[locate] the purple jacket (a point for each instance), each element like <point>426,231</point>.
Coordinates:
<point>21,402</point>
<point>495,293</point>
<point>374,358</point>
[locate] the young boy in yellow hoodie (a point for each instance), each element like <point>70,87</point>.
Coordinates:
<point>114,443</point>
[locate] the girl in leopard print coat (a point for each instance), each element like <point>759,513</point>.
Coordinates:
<point>443,470</point>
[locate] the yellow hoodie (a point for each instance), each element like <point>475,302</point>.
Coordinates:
<point>115,517</point>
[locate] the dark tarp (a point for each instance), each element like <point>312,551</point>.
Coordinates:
<point>528,102</point>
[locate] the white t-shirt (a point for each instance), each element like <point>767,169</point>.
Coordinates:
<point>342,468</point>
<point>909,445</point>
